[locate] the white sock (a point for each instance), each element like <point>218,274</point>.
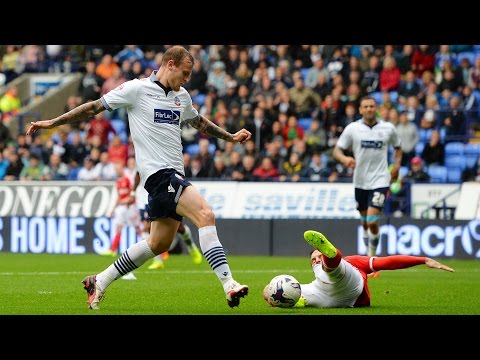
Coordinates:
<point>187,238</point>
<point>372,243</point>
<point>158,258</point>
<point>214,253</point>
<point>131,259</point>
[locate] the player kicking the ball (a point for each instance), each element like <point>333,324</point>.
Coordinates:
<point>156,107</point>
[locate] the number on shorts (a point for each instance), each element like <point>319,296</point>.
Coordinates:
<point>378,199</point>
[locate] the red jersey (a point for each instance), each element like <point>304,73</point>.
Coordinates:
<point>366,265</point>
<point>124,187</point>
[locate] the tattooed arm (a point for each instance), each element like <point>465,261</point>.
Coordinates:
<point>83,111</point>
<point>205,126</point>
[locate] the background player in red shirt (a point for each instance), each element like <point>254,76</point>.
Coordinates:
<point>342,282</point>
<point>125,211</point>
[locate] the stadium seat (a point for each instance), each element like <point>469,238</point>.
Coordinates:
<point>471,161</point>
<point>377,96</point>
<point>305,122</point>
<point>118,124</point>
<point>391,156</point>
<point>471,152</point>
<point>121,128</point>
<point>304,72</point>
<point>212,148</point>
<point>471,149</point>
<point>455,161</point>
<point>73,174</point>
<point>454,175</point>
<point>403,171</point>
<point>419,148</point>
<point>437,173</point>
<point>192,149</point>
<point>470,55</point>
<point>443,135</point>
<point>424,135</point>
<point>394,96</point>
<point>199,99</point>
<point>476,93</point>
<point>454,148</point>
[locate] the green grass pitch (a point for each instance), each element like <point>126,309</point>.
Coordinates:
<point>47,284</point>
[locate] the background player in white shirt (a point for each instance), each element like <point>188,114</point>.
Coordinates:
<point>156,107</point>
<point>369,139</point>
<point>342,282</point>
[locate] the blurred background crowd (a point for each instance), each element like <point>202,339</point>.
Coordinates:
<point>295,99</point>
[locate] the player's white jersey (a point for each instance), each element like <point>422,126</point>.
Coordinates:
<point>154,118</point>
<point>370,148</point>
<point>322,293</point>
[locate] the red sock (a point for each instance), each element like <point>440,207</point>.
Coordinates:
<point>115,242</point>
<point>332,263</point>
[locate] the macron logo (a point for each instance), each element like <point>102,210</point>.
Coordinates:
<point>163,116</point>
<point>170,188</point>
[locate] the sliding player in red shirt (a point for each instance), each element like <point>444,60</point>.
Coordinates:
<point>342,282</point>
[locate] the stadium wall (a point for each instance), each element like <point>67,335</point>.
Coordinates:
<point>70,218</point>
<point>274,237</point>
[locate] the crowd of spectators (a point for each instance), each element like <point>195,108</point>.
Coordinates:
<point>295,99</point>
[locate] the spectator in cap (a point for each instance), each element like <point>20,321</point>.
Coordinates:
<point>417,174</point>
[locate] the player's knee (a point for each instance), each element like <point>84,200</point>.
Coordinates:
<point>158,245</point>
<point>206,216</point>
<point>373,226</point>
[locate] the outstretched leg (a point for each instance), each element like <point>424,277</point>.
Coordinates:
<point>194,207</point>
<point>331,256</point>
<point>160,239</point>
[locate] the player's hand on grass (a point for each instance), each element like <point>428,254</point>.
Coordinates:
<point>436,265</point>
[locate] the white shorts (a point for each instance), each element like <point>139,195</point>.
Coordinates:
<point>127,215</point>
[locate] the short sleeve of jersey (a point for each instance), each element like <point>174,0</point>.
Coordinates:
<point>345,140</point>
<point>395,139</point>
<point>190,112</point>
<point>122,96</point>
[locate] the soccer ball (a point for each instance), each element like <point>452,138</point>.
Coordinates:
<point>283,291</point>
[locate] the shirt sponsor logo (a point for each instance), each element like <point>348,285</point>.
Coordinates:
<point>371,144</point>
<point>155,96</point>
<point>163,116</point>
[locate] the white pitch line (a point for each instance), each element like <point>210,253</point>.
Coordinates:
<point>167,272</point>
<point>150,272</point>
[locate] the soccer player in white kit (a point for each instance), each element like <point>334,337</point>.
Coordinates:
<point>156,107</point>
<point>342,282</point>
<point>369,139</point>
